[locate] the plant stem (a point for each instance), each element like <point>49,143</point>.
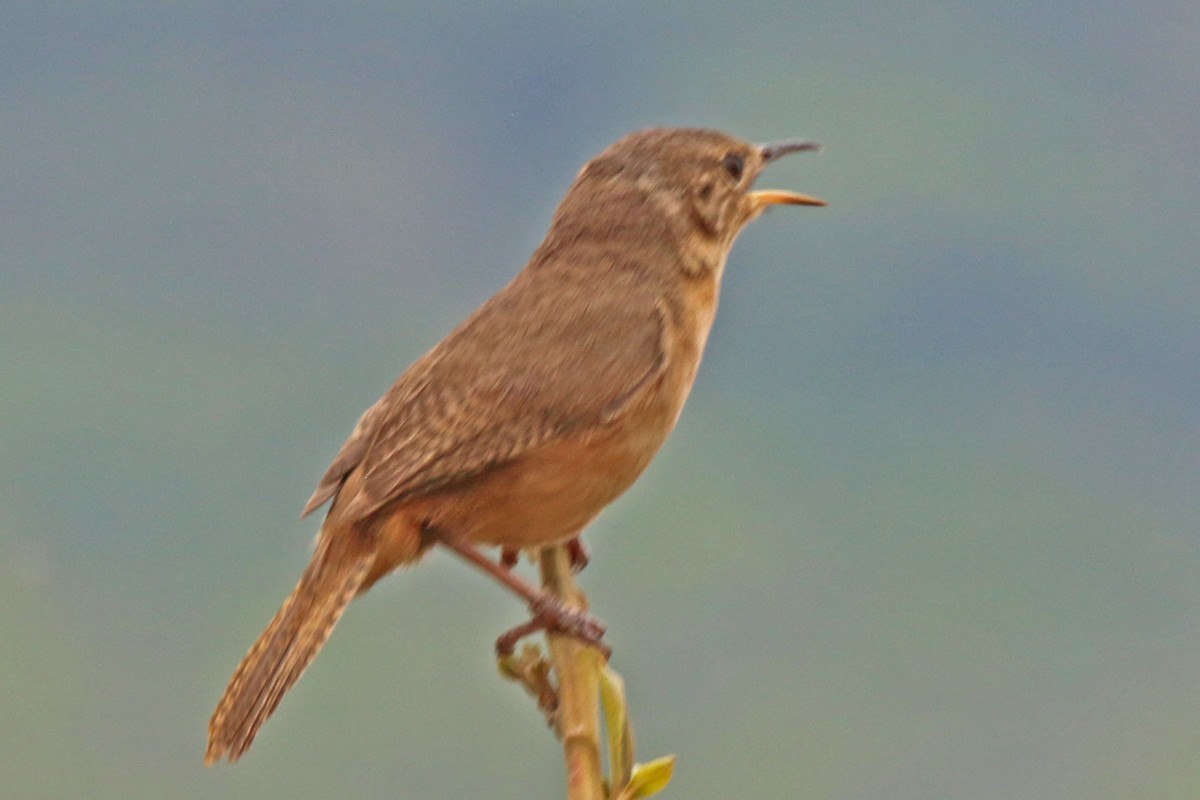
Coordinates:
<point>576,666</point>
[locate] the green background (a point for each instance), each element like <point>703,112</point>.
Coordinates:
<point>927,529</point>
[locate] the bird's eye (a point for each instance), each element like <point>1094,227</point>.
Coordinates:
<point>734,164</point>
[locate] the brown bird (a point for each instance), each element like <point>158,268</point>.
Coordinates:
<point>538,410</point>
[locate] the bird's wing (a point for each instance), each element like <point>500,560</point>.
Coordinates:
<point>535,362</point>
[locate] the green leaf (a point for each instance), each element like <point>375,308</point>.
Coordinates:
<point>620,733</point>
<point>649,779</point>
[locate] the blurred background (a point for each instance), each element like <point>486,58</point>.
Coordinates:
<point>927,529</point>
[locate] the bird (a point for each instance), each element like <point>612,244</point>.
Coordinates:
<point>539,409</point>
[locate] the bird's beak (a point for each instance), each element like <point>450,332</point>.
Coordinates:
<point>775,197</point>
<point>772,197</point>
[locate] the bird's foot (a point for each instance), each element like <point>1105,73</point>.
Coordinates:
<point>550,613</point>
<point>576,549</point>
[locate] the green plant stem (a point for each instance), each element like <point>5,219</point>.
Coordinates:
<point>576,666</point>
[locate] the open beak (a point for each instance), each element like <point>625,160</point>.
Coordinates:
<point>772,197</point>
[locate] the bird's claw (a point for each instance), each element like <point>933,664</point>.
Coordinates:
<point>550,613</point>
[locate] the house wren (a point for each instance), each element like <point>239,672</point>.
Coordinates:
<point>538,410</point>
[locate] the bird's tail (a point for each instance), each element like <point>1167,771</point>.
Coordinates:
<point>343,559</point>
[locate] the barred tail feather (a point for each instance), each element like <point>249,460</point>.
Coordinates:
<point>301,627</point>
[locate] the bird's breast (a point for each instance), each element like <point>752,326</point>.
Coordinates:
<point>689,312</point>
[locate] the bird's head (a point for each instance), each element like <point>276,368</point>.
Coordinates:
<point>704,177</point>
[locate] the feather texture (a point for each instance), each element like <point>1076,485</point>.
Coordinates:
<point>292,640</point>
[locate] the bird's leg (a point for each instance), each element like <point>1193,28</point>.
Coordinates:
<point>580,556</point>
<point>509,556</point>
<point>575,547</point>
<point>549,611</point>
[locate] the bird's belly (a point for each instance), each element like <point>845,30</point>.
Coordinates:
<point>552,492</point>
